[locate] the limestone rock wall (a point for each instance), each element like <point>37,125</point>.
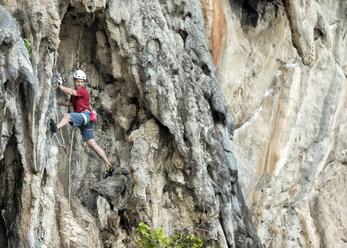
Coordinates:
<point>282,68</point>
<point>34,210</point>
<point>173,82</point>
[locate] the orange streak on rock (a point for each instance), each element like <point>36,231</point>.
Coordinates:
<point>218,24</point>
<point>214,26</point>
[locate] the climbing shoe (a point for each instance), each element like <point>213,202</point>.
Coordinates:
<point>53,126</point>
<point>109,171</point>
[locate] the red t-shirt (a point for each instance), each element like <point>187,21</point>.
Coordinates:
<point>80,102</point>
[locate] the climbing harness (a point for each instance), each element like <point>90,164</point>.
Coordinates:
<point>71,144</point>
<point>85,119</point>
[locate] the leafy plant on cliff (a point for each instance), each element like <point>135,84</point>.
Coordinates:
<point>152,238</point>
<point>27,44</point>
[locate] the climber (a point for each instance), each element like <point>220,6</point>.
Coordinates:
<point>81,117</point>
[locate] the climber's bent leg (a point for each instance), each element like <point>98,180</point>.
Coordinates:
<point>95,147</point>
<point>66,119</point>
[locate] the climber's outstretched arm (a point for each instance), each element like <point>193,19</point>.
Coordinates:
<point>68,90</point>
<point>65,103</point>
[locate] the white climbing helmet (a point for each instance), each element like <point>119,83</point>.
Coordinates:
<point>79,74</point>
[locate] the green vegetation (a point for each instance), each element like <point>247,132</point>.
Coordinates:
<point>152,238</point>
<point>27,44</point>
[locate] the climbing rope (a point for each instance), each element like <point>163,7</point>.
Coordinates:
<point>71,144</point>
<point>62,144</point>
<point>56,75</point>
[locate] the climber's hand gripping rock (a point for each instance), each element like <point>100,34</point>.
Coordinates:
<point>60,81</point>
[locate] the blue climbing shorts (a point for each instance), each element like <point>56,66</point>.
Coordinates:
<point>82,121</point>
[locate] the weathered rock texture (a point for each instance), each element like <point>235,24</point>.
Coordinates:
<point>163,121</point>
<point>282,67</point>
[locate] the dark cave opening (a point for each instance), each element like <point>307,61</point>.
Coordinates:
<point>249,15</point>
<point>250,11</point>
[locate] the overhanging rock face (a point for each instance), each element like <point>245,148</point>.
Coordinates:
<point>163,122</point>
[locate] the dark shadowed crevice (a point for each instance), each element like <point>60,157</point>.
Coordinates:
<point>188,15</point>
<point>319,34</point>
<point>183,34</point>
<point>11,178</point>
<point>3,235</point>
<point>206,69</point>
<point>44,178</point>
<point>249,15</point>
<point>26,98</point>
<point>248,227</point>
<point>218,116</point>
<point>6,85</point>
<point>250,11</point>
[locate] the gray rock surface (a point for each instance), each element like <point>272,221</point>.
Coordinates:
<point>284,79</point>
<point>34,211</point>
<point>163,122</point>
